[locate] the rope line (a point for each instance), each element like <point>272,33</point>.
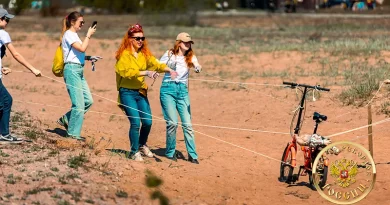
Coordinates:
<point>124,115</point>
<point>155,116</point>
<point>358,128</point>
<point>232,82</point>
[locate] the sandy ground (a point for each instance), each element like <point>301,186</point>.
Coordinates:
<point>236,166</point>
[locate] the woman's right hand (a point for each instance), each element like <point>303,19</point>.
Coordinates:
<point>91,31</point>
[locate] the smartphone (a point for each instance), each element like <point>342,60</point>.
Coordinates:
<point>93,24</point>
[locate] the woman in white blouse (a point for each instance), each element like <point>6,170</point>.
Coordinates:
<point>174,95</point>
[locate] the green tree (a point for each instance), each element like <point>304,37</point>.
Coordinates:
<point>20,5</point>
<point>50,7</point>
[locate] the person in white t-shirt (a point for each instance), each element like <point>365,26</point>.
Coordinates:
<point>5,97</point>
<point>74,58</point>
<point>174,95</point>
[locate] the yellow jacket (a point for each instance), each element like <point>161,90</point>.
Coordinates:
<point>128,69</point>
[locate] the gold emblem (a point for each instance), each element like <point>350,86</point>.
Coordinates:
<point>351,174</point>
<point>344,171</point>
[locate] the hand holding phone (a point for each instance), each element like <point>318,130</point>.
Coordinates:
<point>94,24</point>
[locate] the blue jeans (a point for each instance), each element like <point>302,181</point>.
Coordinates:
<point>5,109</point>
<point>80,95</point>
<point>174,99</point>
<point>137,109</point>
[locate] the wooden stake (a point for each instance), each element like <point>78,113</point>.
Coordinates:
<point>370,142</point>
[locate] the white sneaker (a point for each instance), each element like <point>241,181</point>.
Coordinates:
<point>137,157</point>
<point>10,139</point>
<point>146,151</point>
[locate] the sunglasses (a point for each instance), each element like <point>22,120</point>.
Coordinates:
<point>82,22</point>
<point>139,38</point>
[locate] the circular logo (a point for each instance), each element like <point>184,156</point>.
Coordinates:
<point>344,172</point>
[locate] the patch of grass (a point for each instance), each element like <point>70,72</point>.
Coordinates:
<point>56,196</point>
<point>357,94</point>
<point>37,190</point>
<point>63,202</point>
<point>17,117</point>
<point>89,201</point>
<point>271,73</point>
<point>73,176</point>
<point>77,161</point>
<point>363,81</point>
<point>301,72</point>
<point>385,108</point>
<point>33,134</point>
<point>9,195</point>
<point>75,195</point>
<point>22,169</point>
<point>53,153</point>
<point>33,89</point>
<point>62,180</point>
<point>246,75</point>
<point>41,159</point>
<point>3,154</point>
<point>121,194</point>
<point>23,161</point>
<point>54,169</point>
<point>12,180</point>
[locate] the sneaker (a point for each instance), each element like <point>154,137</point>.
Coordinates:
<point>195,161</point>
<point>62,122</point>
<point>76,138</point>
<point>146,151</point>
<point>10,139</point>
<point>137,157</point>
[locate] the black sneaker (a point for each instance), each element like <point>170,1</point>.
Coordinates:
<point>9,139</point>
<point>174,157</point>
<point>62,122</point>
<point>195,161</point>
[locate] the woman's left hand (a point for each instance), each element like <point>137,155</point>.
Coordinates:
<point>198,68</point>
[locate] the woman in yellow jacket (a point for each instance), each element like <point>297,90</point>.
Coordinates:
<point>134,61</point>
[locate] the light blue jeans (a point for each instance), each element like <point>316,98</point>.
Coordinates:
<point>80,95</point>
<point>174,99</point>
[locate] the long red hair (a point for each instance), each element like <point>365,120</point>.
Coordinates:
<point>126,42</point>
<point>188,54</point>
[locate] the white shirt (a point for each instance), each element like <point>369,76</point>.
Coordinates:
<point>72,55</point>
<point>4,39</point>
<point>177,63</point>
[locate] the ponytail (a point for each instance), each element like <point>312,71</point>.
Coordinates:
<point>68,20</point>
